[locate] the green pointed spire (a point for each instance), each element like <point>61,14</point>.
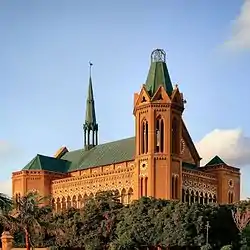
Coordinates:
<point>90,126</point>
<point>90,118</point>
<point>158,73</point>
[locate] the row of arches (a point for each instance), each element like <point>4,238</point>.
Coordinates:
<point>160,136</point>
<point>192,196</point>
<point>78,201</point>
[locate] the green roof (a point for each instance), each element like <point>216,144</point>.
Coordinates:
<point>158,74</point>
<point>215,161</point>
<point>41,162</point>
<point>189,166</point>
<point>100,155</point>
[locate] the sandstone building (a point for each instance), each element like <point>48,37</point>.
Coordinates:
<point>160,161</point>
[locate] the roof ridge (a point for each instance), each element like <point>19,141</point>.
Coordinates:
<point>132,137</point>
<point>50,157</point>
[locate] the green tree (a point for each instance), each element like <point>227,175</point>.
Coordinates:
<point>5,203</point>
<point>100,217</point>
<point>137,228</point>
<point>29,216</point>
<point>92,227</point>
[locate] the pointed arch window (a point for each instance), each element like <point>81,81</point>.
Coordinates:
<point>130,194</point>
<point>141,186</point>
<point>230,197</point>
<point>144,137</point>
<point>146,186</point>
<point>123,195</point>
<point>175,186</point>
<point>175,136</point>
<point>159,135</point>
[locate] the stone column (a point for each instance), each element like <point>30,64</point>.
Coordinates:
<point>7,241</point>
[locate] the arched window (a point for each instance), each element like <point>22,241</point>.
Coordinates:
<point>130,195</point>
<point>123,195</point>
<point>144,136</point>
<point>173,187</point>
<point>187,196</point>
<point>192,196</point>
<point>159,135</point>
<point>175,137</point>
<point>85,199</point>
<point>197,198</point>
<point>176,187</point>
<point>53,204</point>
<point>210,200</point>
<point>74,202</point>
<point>141,187</point>
<point>63,204</point>
<point>205,198</point>
<point>230,197</point>
<point>183,196</point>
<point>68,202</point>
<point>201,198</point>
<point>146,186</point>
<point>214,199</point>
<point>58,205</point>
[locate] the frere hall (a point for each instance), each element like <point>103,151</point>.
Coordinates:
<point>159,161</point>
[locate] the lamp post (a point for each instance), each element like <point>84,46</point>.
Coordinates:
<point>207,229</point>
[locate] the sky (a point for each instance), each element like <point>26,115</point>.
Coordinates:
<point>45,48</point>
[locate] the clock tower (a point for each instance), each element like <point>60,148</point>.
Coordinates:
<point>158,116</point>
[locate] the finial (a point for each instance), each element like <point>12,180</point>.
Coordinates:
<point>176,86</point>
<point>90,65</point>
<point>158,55</point>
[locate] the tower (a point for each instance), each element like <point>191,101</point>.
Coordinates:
<point>158,112</point>
<point>90,126</point>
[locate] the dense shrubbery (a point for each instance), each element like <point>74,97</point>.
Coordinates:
<point>105,223</point>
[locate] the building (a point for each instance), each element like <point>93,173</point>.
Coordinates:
<point>160,161</point>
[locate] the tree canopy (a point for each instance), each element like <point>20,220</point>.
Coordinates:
<point>148,223</point>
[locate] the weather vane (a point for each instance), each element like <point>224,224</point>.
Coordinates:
<point>90,65</point>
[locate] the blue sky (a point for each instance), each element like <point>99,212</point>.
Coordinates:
<point>45,48</point>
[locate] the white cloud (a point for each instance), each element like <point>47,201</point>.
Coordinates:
<point>240,30</point>
<point>6,187</point>
<point>231,145</point>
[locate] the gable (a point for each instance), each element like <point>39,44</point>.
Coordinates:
<point>216,161</point>
<point>161,96</point>
<point>189,143</point>
<point>143,97</point>
<point>177,96</point>
<point>185,152</point>
<point>41,162</point>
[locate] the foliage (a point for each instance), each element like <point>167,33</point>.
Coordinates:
<point>104,223</point>
<point>28,216</point>
<point>206,247</point>
<point>5,203</point>
<point>227,247</point>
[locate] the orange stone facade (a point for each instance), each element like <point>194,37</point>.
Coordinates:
<point>166,164</point>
